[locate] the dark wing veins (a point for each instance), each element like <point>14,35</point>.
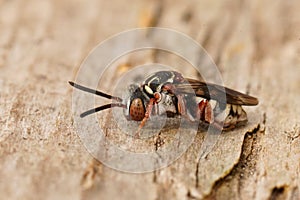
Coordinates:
<point>216,92</point>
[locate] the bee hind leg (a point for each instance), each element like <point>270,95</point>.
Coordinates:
<point>206,114</point>
<point>205,111</point>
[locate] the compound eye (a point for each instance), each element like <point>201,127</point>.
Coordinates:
<point>137,110</point>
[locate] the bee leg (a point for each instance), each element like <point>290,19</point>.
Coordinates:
<point>205,111</point>
<point>181,106</point>
<point>183,110</point>
<point>146,117</point>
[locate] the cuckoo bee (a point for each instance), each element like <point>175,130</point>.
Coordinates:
<point>170,93</point>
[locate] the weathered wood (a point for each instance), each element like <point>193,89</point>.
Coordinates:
<point>254,43</point>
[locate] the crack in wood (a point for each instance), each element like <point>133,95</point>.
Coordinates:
<point>295,193</point>
<point>158,142</point>
<point>278,193</point>
<point>293,134</point>
<point>151,16</point>
<point>264,118</point>
<point>187,15</point>
<point>189,195</point>
<point>244,167</point>
<point>154,179</point>
<point>197,174</point>
<point>90,173</point>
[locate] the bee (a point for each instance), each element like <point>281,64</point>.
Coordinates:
<point>178,96</point>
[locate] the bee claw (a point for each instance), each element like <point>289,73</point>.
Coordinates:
<point>136,135</point>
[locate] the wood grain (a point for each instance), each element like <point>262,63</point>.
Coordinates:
<point>42,44</point>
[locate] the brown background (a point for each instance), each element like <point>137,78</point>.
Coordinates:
<point>254,43</point>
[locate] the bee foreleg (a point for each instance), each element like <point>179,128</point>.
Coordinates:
<point>146,117</point>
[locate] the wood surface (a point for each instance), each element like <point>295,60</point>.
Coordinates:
<point>255,44</point>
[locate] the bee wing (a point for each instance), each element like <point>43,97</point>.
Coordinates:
<point>216,92</point>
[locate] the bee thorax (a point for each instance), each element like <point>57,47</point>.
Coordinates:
<point>166,102</point>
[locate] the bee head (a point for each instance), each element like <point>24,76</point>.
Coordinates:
<point>135,103</point>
